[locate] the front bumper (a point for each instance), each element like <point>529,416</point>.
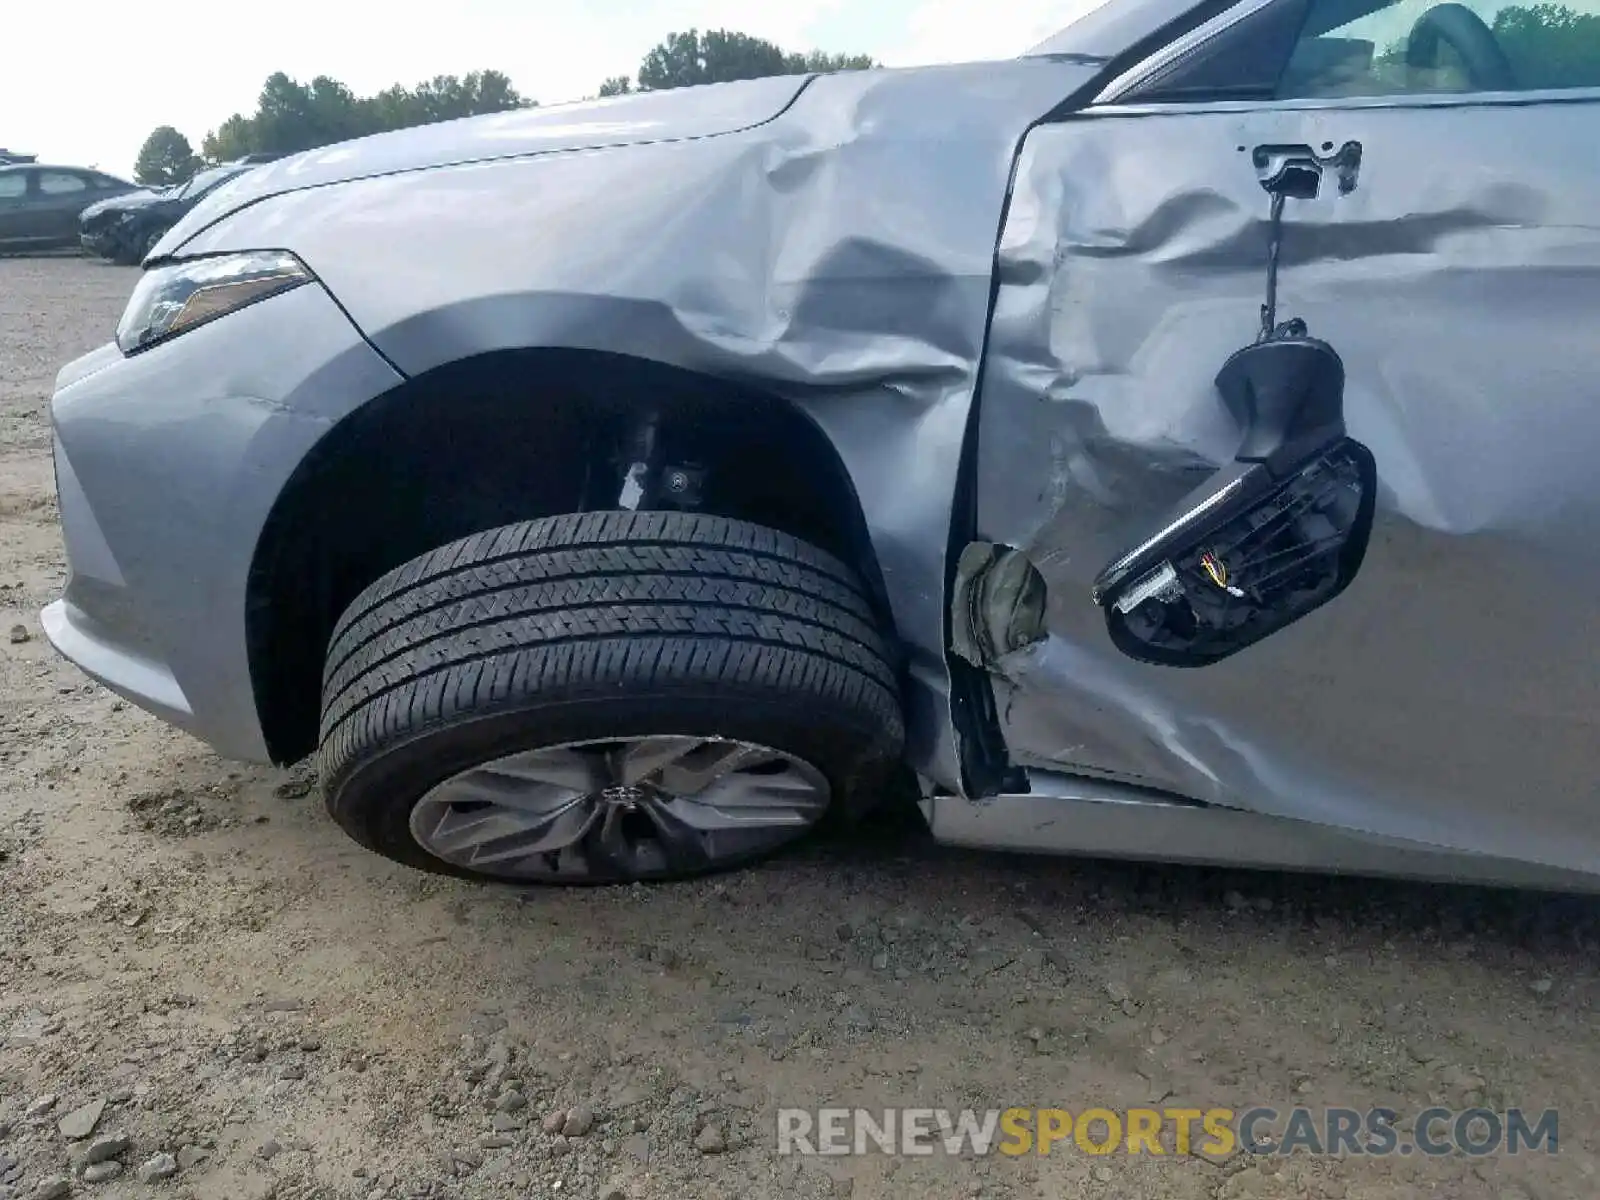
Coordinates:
<point>167,466</point>
<point>101,242</point>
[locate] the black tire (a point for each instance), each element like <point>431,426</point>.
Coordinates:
<point>148,241</point>
<point>607,625</point>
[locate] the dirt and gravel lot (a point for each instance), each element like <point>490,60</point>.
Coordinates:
<point>196,964</point>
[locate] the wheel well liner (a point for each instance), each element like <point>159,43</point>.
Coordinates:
<point>504,437</point>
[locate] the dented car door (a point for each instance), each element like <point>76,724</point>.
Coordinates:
<point>1451,695</point>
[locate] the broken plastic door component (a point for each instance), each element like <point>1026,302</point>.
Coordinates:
<point>1283,528</point>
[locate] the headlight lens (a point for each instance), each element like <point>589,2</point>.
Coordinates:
<point>174,299</point>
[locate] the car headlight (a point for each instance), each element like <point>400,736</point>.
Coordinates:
<point>176,298</point>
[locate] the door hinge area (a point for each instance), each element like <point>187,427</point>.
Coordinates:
<point>998,605</point>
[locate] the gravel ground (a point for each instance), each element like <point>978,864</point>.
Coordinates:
<point>224,998</point>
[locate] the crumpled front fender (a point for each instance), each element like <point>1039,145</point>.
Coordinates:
<point>840,256</point>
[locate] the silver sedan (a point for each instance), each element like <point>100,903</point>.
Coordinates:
<point>1178,442</point>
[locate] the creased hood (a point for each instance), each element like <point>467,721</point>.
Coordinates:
<point>676,114</point>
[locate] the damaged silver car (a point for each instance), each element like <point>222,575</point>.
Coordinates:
<point>1179,442</point>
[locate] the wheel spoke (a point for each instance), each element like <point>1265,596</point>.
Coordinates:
<point>573,768</point>
<point>683,844</point>
<point>474,836</point>
<point>745,800</point>
<point>691,774</point>
<point>633,763</point>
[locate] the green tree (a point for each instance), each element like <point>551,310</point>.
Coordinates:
<point>165,158</point>
<point>1550,45</point>
<point>1547,45</point>
<point>291,116</point>
<point>720,56</point>
<point>819,62</point>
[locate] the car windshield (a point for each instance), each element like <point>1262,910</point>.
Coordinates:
<point>205,181</point>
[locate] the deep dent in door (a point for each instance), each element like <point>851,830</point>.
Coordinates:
<point>1130,266</point>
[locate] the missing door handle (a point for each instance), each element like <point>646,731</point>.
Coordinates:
<point>1295,171</point>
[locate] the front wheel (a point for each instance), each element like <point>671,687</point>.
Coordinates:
<point>605,697</point>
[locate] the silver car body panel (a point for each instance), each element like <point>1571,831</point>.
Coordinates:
<point>1452,697</point>
<point>682,114</point>
<point>841,256</point>
<point>167,465</point>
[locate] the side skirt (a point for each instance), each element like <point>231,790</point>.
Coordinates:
<point>1072,815</point>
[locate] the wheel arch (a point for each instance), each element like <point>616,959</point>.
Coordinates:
<point>505,436</point>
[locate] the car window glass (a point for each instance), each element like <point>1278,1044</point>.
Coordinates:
<point>55,183</point>
<point>12,185</point>
<point>1417,47</point>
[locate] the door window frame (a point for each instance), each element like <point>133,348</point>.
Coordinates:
<point>1122,94</point>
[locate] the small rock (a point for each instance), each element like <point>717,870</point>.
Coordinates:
<point>106,1148</point>
<point>880,960</point>
<point>41,1106</point>
<point>468,1157</point>
<point>291,1071</point>
<point>496,1141</point>
<point>162,1166</point>
<point>1103,1174</point>
<point>580,1120</point>
<point>613,1193</point>
<point>1236,901</point>
<point>19,634</point>
<point>555,1122</point>
<point>282,1004</point>
<point>52,1188</point>
<point>80,1122</point>
<point>190,1157</point>
<point>512,1101</point>
<point>637,1146</point>
<point>1541,987</point>
<point>1118,991</point>
<point>101,1171</point>
<point>271,1148</point>
<point>710,1141</point>
<point>504,1123</point>
<point>560,1146</point>
<point>310,1044</point>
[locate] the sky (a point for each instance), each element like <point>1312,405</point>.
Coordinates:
<point>96,76</point>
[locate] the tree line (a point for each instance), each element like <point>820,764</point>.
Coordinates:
<point>1549,45</point>
<point>291,116</point>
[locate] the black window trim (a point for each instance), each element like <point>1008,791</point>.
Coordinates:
<point>1122,94</point>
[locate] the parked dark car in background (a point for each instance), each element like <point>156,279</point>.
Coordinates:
<point>123,228</point>
<point>11,156</point>
<point>39,204</point>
